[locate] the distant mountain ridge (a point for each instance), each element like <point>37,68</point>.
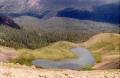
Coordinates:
<point>44,9</point>
<point>106,13</point>
<point>8,22</point>
<point>65,24</point>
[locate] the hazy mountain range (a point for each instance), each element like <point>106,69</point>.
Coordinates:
<point>104,13</point>
<point>97,10</point>
<point>37,23</point>
<point>65,24</point>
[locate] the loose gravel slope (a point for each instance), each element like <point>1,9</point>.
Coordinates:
<point>32,72</point>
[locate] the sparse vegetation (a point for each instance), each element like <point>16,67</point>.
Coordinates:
<point>56,51</point>
<point>22,71</point>
<point>89,67</point>
<point>108,43</point>
<point>98,57</point>
<point>104,44</point>
<point>24,58</point>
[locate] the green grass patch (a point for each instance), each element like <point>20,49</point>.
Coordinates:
<point>86,68</point>
<point>110,44</point>
<point>98,57</point>
<point>24,58</point>
<point>57,51</point>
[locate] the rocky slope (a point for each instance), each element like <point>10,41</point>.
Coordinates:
<point>17,71</point>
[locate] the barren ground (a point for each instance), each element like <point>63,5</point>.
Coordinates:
<point>32,72</point>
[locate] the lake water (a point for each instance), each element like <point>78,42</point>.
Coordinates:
<point>85,58</point>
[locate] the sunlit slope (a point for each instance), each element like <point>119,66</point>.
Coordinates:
<point>7,54</point>
<point>104,42</point>
<point>106,50</point>
<point>56,51</point>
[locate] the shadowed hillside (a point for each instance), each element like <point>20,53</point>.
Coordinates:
<point>8,22</point>
<point>104,13</point>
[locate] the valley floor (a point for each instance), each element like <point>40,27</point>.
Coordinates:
<point>10,71</point>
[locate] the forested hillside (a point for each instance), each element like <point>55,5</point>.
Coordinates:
<point>35,39</point>
<point>35,33</point>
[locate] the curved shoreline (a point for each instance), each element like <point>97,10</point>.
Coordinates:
<point>84,59</point>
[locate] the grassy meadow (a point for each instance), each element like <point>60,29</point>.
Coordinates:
<point>56,51</point>
<point>104,44</point>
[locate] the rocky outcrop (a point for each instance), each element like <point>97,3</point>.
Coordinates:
<point>8,22</point>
